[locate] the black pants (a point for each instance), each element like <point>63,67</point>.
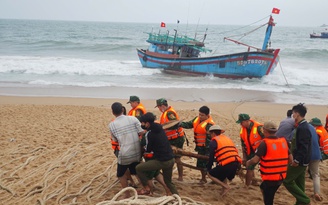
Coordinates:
<point>269,189</point>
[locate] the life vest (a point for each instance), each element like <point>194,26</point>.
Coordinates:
<point>175,133</point>
<point>323,138</point>
<point>226,151</point>
<point>200,131</point>
<point>132,112</point>
<point>252,141</point>
<point>115,145</point>
<point>273,166</point>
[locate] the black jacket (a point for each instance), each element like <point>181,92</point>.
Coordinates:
<point>302,144</point>
<point>158,143</point>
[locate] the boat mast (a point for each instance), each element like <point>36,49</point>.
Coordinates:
<point>268,33</point>
<point>175,36</point>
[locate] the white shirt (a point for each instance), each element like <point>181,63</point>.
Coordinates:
<point>125,130</point>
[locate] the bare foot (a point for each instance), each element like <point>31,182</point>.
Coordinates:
<point>180,179</point>
<point>225,190</point>
<point>317,197</point>
<point>203,181</point>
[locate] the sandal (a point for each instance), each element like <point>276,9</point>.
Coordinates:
<point>317,197</point>
<point>144,192</point>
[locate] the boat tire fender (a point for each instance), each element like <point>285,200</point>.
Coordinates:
<point>144,58</point>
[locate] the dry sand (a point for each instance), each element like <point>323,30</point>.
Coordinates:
<point>57,151</point>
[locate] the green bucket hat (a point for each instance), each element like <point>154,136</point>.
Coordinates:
<point>242,117</point>
<point>316,121</point>
<point>133,98</point>
<point>161,101</point>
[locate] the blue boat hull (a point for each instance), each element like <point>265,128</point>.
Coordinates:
<point>254,64</point>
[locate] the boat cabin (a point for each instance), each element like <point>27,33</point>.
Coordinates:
<point>174,45</point>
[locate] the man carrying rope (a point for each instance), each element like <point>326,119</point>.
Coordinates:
<point>163,158</point>
<point>126,130</point>
<point>224,152</point>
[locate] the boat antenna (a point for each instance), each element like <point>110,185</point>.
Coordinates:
<point>187,19</point>
<point>205,35</point>
<point>197,28</point>
<point>167,36</point>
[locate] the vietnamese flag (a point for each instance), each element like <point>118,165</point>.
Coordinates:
<point>275,11</point>
<point>162,24</point>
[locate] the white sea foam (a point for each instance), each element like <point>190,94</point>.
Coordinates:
<point>104,57</point>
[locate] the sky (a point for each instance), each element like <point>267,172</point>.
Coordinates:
<point>307,13</point>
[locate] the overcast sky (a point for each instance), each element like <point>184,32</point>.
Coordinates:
<point>309,13</point>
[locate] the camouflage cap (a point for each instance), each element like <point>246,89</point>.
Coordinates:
<point>134,98</point>
<point>161,101</point>
<point>316,121</point>
<point>242,117</point>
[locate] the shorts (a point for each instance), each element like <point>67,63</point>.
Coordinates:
<point>178,142</point>
<point>201,163</point>
<point>121,169</point>
<point>227,171</point>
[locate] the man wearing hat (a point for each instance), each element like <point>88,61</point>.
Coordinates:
<point>323,136</point>
<point>201,124</point>
<point>175,134</point>
<point>137,107</point>
<point>274,155</point>
<point>224,152</point>
<point>251,136</point>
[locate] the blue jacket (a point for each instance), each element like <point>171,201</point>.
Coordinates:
<point>315,152</point>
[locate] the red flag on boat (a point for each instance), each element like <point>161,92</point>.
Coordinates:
<point>162,24</point>
<point>275,11</point>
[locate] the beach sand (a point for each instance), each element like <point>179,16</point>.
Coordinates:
<point>57,150</point>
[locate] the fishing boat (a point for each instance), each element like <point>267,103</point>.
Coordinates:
<point>319,35</point>
<point>181,55</point>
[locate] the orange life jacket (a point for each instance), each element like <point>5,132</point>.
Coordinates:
<point>273,166</point>
<point>200,131</point>
<point>252,141</point>
<point>323,138</point>
<point>132,112</point>
<point>115,145</point>
<point>175,133</point>
<point>226,151</point>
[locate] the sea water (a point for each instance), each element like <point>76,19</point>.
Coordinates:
<point>36,53</point>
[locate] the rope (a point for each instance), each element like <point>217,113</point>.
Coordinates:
<point>283,74</point>
<point>148,200</point>
<point>251,31</point>
<point>243,26</point>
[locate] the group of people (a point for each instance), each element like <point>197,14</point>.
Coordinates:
<point>283,152</point>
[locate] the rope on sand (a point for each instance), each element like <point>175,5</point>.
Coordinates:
<point>148,200</point>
